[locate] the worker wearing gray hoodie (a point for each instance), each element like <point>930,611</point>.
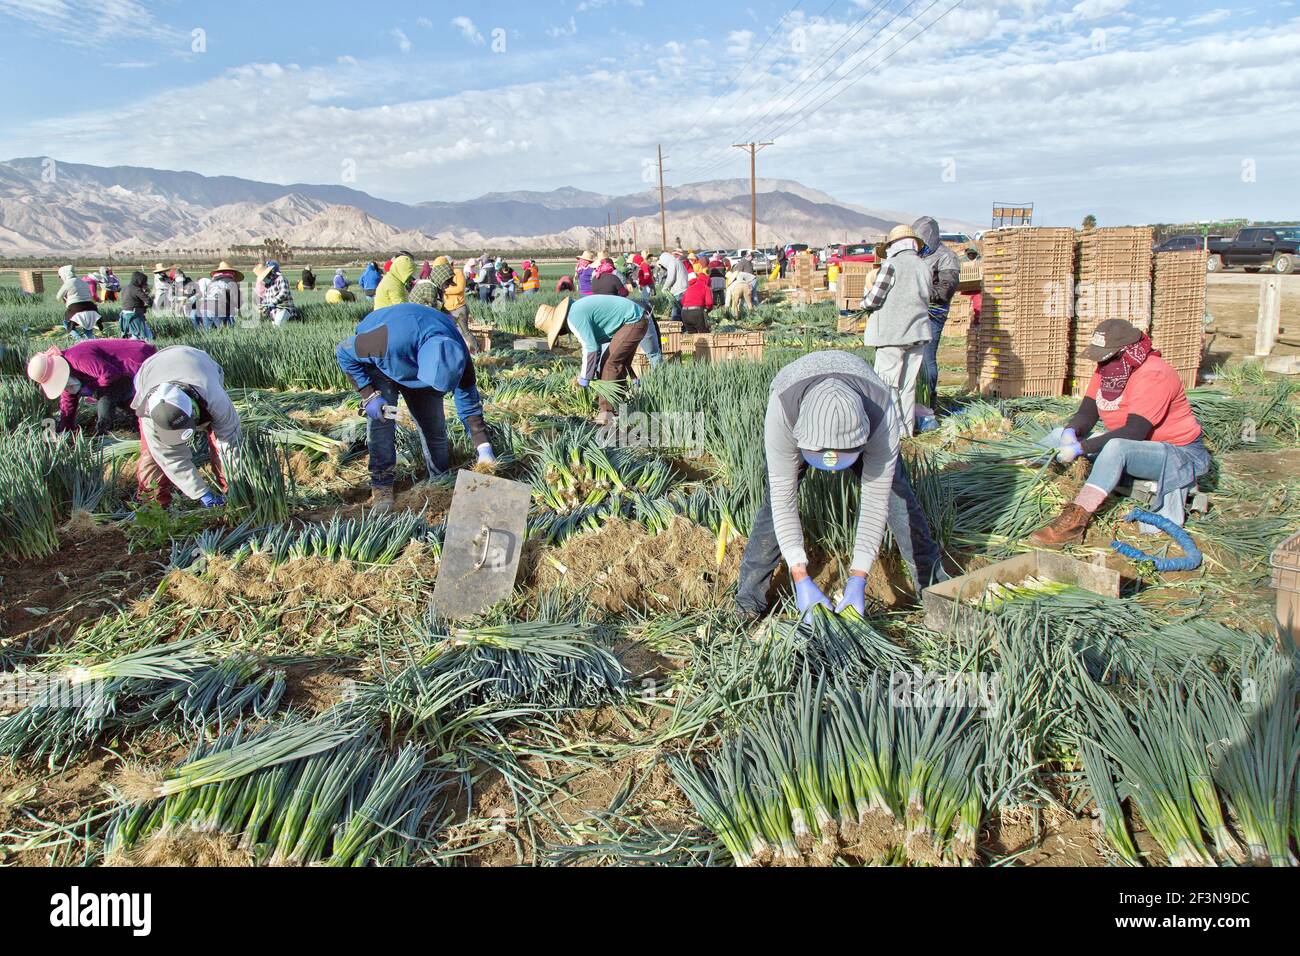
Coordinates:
<point>945,271</point>
<point>830,411</point>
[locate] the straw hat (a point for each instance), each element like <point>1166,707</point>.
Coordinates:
<point>225,266</point>
<point>158,268</point>
<point>49,370</point>
<point>588,255</point>
<point>552,319</point>
<point>901,231</point>
<point>262,271</point>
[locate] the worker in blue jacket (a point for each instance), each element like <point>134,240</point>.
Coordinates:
<point>416,352</point>
<point>370,279</point>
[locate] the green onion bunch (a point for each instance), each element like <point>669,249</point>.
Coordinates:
<point>170,685</point>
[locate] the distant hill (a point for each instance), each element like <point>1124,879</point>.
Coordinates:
<point>82,209</point>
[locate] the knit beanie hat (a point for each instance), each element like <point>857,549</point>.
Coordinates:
<point>831,418</point>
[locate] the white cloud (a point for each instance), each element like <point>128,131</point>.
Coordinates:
<point>1095,9</point>
<point>93,23</point>
<point>424,22</point>
<point>563,30</point>
<point>1209,18</point>
<point>739,42</point>
<point>403,41</point>
<point>1027,109</point>
<point>467,29</point>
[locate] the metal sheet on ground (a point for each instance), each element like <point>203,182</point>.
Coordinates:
<point>485,538</point>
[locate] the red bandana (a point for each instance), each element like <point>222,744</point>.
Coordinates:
<point>1116,370</point>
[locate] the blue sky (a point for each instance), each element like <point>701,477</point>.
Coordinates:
<point>1134,111</point>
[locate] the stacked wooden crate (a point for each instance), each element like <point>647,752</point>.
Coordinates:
<point>1114,283</point>
<point>1022,343</point>
<point>31,282</point>
<point>1178,315</point>
<point>960,314</point>
<point>855,279</point>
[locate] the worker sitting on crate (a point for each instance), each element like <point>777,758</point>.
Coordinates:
<point>604,324</point>
<point>830,411</point>
<point>417,353</point>
<point>180,391</point>
<point>1151,432</point>
<point>899,323</point>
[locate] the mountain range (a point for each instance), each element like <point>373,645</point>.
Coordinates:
<point>56,208</point>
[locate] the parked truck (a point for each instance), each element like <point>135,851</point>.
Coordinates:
<point>1255,248</point>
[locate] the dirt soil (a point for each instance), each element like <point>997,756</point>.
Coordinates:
<point>628,567</point>
<point>43,601</point>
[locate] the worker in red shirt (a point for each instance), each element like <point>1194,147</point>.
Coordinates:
<point>697,300</point>
<point>1151,432</point>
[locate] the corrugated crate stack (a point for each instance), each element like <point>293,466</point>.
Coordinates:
<point>1178,315</point>
<point>1114,283</point>
<point>1022,344</point>
<point>807,279</point>
<point>851,287</point>
<point>31,282</point>
<point>960,314</point>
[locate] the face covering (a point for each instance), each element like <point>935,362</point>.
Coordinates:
<point>74,386</point>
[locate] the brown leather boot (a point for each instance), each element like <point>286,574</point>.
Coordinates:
<point>381,499</point>
<point>1068,527</point>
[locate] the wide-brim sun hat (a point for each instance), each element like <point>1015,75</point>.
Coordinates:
<point>551,320</point>
<point>49,370</point>
<point>587,255</point>
<point>900,232</point>
<point>225,266</point>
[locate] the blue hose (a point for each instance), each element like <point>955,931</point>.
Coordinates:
<point>1191,559</point>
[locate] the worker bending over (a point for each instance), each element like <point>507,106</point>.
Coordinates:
<point>609,327</point>
<point>180,391</point>
<point>1151,432</point>
<point>415,352</point>
<point>830,411</point>
<point>98,370</point>
<point>899,323</point>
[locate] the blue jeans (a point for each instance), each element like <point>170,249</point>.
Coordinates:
<point>930,364</point>
<point>426,407</point>
<point>1174,468</point>
<point>677,309</point>
<point>651,345</point>
<point>905,519</point>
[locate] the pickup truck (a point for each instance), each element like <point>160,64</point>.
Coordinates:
<point>1255,248</point>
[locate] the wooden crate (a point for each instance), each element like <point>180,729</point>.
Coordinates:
<point>723,346</point>
<point>1286,582</point>
<point>947,607</point>
<point>31,282</point>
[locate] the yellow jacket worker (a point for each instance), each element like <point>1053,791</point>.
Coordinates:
<point>395,286</point>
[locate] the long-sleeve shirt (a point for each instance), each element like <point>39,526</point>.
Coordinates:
<point>584,277</point>
<point>675,276</point>
<point>99,364</point>
<point>276,295</point>
<point>453,296</point>
<point>370,279</point>
<point>416,347</point>
<point>698,295</point>
<point>183,365</point>
<point>595,319</point>
<point>785,460</point>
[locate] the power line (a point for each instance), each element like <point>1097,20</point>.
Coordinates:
<point>857,79</point>
<point>785,125</point>
<point>851,32</point>
<point>713,104</point>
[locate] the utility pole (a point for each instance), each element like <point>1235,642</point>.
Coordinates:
<point>753,189</point>
<point>663,222</point>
